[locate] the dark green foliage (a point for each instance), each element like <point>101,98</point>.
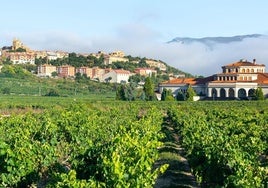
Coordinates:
<point>180,96</point>
<point>18,50</point>
<point>225,148</point>
<point>6,90</point>
<point>76,61</point>
<point>129,92</point>
<point>15,71</point>
<point>190,93</point>
<point>120,93</point>
<point>259,94</point>
<point>142,63</point>
<point>80,78</point>
<point>166,95</point>
<point>54,74</point>
<point>136,78</point>
<point>81,146</point>
<point>52,93</point>
<point>149,89</point>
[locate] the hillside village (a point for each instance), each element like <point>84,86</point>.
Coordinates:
<point>19,53</point>
<point>238,80</point>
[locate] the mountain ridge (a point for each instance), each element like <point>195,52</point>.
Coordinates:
<point>209,41</point>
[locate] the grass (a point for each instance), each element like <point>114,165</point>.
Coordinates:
<point>36,86</point>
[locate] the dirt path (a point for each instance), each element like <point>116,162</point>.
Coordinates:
<point>178,173</point>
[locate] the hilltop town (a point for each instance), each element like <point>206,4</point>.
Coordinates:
<point>115,66</point>
<point>238,80</point>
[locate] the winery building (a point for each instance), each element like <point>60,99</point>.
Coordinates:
<point>237,80</point>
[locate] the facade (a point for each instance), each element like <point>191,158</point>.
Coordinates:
<point>66,71</point>
<point>84,71</point>
<point>111,59</point>
<point>46,70</point>
<point>117,54</point>
<point>116,76</point>
<point>157,64</point>
<point>97,73</point>
<point>145,71</point>
<point>20,57</point>
<point>237,80</point>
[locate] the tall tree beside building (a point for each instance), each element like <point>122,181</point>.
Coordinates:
<point>166,95</point>
<point>190,93</point>
<point>180,96</point>
<point>259,94</point>
<point>149,89</point>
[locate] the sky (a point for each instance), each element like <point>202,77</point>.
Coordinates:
<point>141,28</point>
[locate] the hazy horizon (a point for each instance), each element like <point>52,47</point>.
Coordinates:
<point>141,28</point>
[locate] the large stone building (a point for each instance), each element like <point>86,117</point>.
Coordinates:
<point>237,80</point>
<point>18,44</point>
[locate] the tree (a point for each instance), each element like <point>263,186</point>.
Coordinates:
<point>120,93</point>
<point>166,95</point>
<point>52,93</point>
<point>6,90</point>
<point>54,74</point>
<point>190,93</point>
<point>149,89</point>
<point>180,96</point>
<point>107,80</point>
<point>143,63</point>
<point>78,77</point>
<point>259,94</point>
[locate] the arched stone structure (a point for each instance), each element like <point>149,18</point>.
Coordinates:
<point>242,93</point>
<point>231,92</point>
<point>214,93</point>
<point>251,92</point>
<point>222,93</point>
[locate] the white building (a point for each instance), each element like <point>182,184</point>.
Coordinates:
<point>237,80</point>
<point>116,76</point>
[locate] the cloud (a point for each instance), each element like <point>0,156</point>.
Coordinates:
<point>139,40</point>
<point>195,58</point>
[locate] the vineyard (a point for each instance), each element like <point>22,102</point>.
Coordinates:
<point>116,144</point>
<point>81,146</point>
<point>226,143</point>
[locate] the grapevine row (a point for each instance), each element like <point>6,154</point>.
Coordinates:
<point>81,146</point>
<point>227,144</point>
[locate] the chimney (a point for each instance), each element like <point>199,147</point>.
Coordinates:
<point>254,61</point>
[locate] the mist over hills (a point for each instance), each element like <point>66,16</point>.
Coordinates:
<point>197,56</point>
<point>210,41</point>
<point>205,56</point>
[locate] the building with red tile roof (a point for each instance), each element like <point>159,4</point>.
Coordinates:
<point>237,80</point>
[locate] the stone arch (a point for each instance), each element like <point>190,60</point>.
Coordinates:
<point>222,93</point>
<point>231,93</point>
<point>242,93</point>
<point>251,92</point>
<point>214,92</point>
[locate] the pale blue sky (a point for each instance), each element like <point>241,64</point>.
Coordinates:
<point>87,25</point>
